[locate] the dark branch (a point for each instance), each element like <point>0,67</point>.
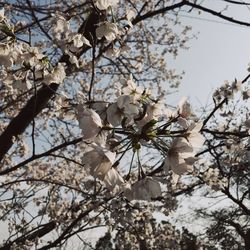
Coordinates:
<point>18,125</point>
<point>218,14</point>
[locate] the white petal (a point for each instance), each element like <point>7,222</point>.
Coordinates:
<point>102,169</point>
<point>181,144</point>
<point>90,122</point>
<point>178,163</point>
<point>2,17</point>
<point>56,76</point>
<point>145,189</point>
<point>110,155</point>
<point>107,30</point>
<point>123,101</point>
<point>104,4</point>
<point>184,108</point>
<point>130,14</point>
<point>114,115</point>
<point>112,179</point>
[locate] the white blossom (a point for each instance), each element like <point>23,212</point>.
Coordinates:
<point>181,155</point>
<point>183,122</point>
<point>170,113</point>
<point>113,52</point>
<point>130,88</point>
<point>78,41</point>
<point>145,189</point>
<point>104,4</point>
<point>89,122</point>
<point>107,30</point>
<point>153,112</point>
<point>5,55</point>
<point>22,82</point>
<point>179,163</point>
<point>211,178</point>
<point>61,28</point>
<point>32,56</point>
<point>2,16</point>
<point>184,108</point>
<point>72,58</point>
<point>98,161</point>
<point>131,111</point>
<point>113,180</point>
<point>114,115</point>
<point>194,137</point>
<point>125,49</point>
<point>130,14</point>
<point>56,76</point>
<point>129,108</point>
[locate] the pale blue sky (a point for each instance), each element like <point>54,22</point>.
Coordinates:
<point>220,52</point>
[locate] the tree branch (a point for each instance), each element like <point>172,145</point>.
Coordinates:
<point>218,14</point>
<point>18,124</point>
<point>34,157</point>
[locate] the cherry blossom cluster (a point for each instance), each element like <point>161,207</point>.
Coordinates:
<point>212,179</point>
<point>137,119</point>
<point>228,90</point>
<point>141,220</point>
<point>19,61</point>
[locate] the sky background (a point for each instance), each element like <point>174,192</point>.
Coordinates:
<point>220,52</point>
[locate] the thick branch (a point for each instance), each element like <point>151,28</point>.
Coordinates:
<point>45,229</point>
<point>18,125</point>
<point>35,105</point>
